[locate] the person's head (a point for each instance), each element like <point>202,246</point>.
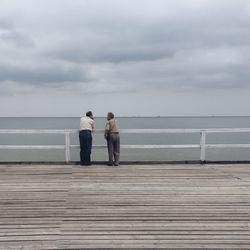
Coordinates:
<point>110,116</point>
<point>90,114</point>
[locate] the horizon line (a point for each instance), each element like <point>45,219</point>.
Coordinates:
<point>133,116</point>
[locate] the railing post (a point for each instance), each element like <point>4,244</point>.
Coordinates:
<point>67,147</point>
<point>203,146</point>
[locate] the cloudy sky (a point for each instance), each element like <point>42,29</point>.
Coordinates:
<point>132,57</point>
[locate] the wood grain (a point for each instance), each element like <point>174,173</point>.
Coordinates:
<point>129,207</point>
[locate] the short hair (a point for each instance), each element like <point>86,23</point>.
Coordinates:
<point>111,115</point>
<point>89,113</point>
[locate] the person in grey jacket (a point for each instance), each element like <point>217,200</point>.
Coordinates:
<point>113,139</point>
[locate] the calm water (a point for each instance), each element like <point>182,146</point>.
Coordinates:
<point>133,155</point>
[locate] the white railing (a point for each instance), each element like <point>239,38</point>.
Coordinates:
<point>67,132</point>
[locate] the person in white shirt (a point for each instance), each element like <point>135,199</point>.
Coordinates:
<point>85,138</point>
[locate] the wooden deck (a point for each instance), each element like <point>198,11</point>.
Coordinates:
<point>135,206</point>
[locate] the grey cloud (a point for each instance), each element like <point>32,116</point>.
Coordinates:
<point>5,25</point>
<point>50,76</point>
<point>198,69</point>
<point>18,39</point>
<point>9,34</point>
<point>97,51</point>
<point>143,43</point>
<point>140,40</point>
<point>110,54</point>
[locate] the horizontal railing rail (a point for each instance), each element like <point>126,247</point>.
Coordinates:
<point>67,145</point>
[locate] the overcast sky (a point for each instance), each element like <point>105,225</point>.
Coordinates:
<point>132,57</point>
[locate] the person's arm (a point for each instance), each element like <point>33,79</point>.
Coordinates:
<point>80,123</point>
<point>93,125</point>
<point>107,127</point>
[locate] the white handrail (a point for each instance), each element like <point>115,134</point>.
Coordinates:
<point>67,132</point>
<point>126,131</point>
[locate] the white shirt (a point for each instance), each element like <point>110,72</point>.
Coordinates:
<point>86,123</point>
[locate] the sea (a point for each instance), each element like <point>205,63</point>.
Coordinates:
<point>56,155</point>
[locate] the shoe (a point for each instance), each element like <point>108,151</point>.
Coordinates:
<point>110,164</point>
<point>85,164</point>
<point>116,164</point>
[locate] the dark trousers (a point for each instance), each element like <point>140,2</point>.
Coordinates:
<point>85,138</point>
<point>113,142</point>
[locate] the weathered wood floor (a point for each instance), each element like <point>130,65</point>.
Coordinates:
<point>136,206</point>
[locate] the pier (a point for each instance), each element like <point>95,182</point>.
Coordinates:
<point>129,207</point>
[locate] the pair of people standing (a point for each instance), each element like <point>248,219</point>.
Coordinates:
<point>111,134</point>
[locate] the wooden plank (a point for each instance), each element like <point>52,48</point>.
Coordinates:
<point>161,206</point>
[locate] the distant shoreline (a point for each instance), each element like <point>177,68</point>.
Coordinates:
<point>209,116</point>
